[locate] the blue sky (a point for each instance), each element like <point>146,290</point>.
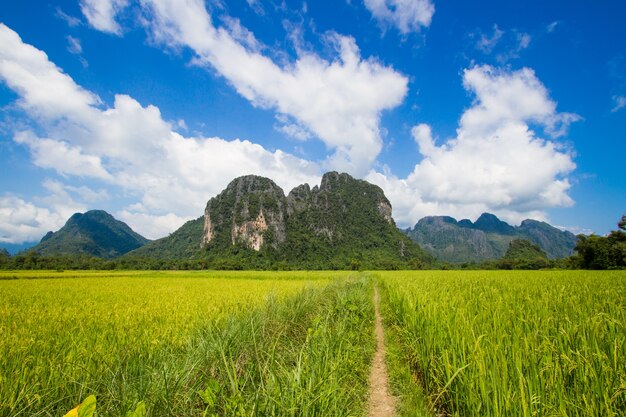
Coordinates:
<point>149,108</point>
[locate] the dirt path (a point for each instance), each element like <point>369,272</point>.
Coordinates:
<point>381,402</point>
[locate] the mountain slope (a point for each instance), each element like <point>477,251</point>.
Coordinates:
<point>486,239</point>
<point>181,244</point>
<point>95,233</point>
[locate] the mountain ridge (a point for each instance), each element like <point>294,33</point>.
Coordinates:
<point>486,239</point>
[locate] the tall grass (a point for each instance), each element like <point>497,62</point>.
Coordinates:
<point>185,345</point>
<point>308,356</point>
<point>514,343</point>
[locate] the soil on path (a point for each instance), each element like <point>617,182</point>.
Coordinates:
<point>381,402</point>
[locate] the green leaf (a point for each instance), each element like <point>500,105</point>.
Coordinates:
<point>87,407</point>
<point>209,395</point>
<point>140,410</point>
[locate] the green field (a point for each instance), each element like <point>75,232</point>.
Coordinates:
<point>300,343</point>
<point>493,343</point>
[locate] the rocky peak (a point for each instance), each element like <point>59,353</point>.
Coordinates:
<point>299,199</point>
<point>250,211</point>
<point>343,187</point>
<point>437,221</point>
<point>489,223</point>
<point>333,179</point>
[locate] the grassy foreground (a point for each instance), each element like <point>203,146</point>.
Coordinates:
<point>235,344</point>
<point>494,343</point>
<point>459,343</point>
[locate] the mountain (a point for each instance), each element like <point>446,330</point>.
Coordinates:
<point>486,239</point>
<point>94,233</point>
<point>343,223</point>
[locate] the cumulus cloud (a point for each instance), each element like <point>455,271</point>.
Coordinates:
<point>129,145</point>
<point>339,101</point>
<point>28,221</point>
<point>406,15</point>
<point>496,162</point>
<point>62,157</point>
<point>154,226</point>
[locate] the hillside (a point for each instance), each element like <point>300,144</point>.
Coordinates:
<point>342,223</point>
<point>94,233</point>
<point>486,239</point>
<point>182,243</point>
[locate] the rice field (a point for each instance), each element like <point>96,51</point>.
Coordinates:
<point>515,343</point>
<point>198,343</point>
<point>130,337</point>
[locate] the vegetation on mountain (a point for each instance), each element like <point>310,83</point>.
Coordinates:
<point>523,254</point>
<point>94,233</point>
<point>486,239</point>
<point>184,243</point>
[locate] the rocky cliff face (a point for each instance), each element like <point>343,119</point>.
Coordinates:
<point>250,211</point>
<point>254,211</point>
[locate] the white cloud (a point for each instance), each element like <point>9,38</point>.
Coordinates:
<point>406,15</point>
<point>101,14</point>
<point>256,6</point>
<point>291,129</point>
<point>129,145</point>
<point>577,230</point>
<point>153,226</point>
<point>44,90</point>
<point>339,101</point>
<point>62,157</point>
<point>24,221</point>
<point>496,163</point>
<point>619,102</point>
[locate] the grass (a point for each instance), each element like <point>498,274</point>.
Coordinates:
<point>516,343</point>
<point>127,337</point>
<point>459,343</point>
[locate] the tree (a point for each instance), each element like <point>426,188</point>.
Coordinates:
<point>598,252</point>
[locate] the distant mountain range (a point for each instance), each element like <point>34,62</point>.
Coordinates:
<point>488,238</point>
<point>343,223</point>
<point>94,233</point>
